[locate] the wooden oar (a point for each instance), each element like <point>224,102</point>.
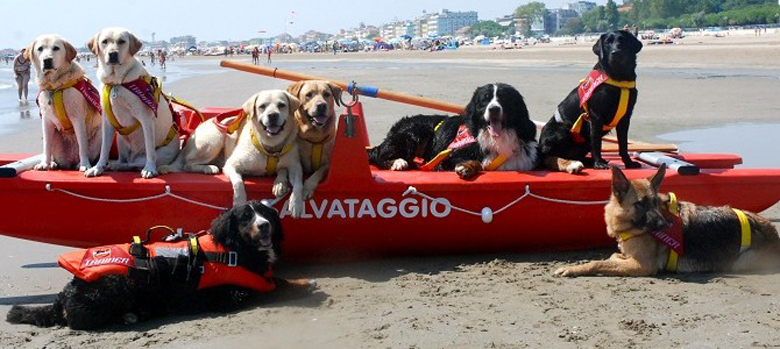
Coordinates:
<point>409,99</point>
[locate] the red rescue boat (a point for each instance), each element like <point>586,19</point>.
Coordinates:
<point>363,212</point>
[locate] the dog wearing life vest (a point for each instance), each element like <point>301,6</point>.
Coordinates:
<point>69,105</point>
<point>658,232</point>
<point>603,101</point>
<point>133,106</point>
<point>316,118</point>
<point>495,134</point>
<point>268,145</point>
<point>219,271</point>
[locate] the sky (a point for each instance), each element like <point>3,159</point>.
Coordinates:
<point>78,20</point>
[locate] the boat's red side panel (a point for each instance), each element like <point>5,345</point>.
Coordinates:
<point>358,212</point>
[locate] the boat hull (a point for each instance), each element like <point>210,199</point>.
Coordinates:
<point>359,212</point>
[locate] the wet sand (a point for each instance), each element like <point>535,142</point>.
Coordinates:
<point>476,301</point>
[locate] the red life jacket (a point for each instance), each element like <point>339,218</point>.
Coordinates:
<point>585,91</point>
<point>217,265</point>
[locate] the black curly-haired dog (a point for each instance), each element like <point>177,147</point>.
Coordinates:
<point>496,125</point>
<point>253,231</point>
<point>616,53</point>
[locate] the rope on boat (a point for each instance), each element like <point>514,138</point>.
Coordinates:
<point>168,192</point>
<point>487,213</point>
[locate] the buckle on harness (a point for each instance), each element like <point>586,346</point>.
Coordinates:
<point>232,259</point>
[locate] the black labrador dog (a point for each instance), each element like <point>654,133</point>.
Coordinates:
<point>603,101</point>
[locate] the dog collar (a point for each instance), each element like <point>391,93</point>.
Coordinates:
<point>316,152</point>
<point>273,158</point>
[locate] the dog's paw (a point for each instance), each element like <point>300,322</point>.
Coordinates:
<point>295,206</point>
<point>601,164</point>
<point>308,189</point>
<point>399,165</point>
<point>42,166</point>
<point>631,164</point>
<point>312,285</point>
<point>94,171</point>
<point>468,169</point>
<point>280,188</point>
<point>149,171</point>
<point>211,169</point>
<point>565,272</point>
<point>575,167</point>
<point>84,167</point>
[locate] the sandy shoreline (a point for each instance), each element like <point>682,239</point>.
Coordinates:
<point>476,301</point>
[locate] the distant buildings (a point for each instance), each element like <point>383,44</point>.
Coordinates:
<point>583,6</point>
<point>448,22</point>
<point>558,17</point>
<point>185,41</point>
<point>445,22</point>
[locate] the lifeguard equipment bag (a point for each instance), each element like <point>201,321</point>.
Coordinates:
<point>193,260</point>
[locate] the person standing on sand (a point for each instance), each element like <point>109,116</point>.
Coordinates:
<point>6,60</point>
<point>22,71</point>
<point>255,56</point>
<point>151,57</point>
<point>162,58</point>
<point>636,31</point>
<point>269,56</point>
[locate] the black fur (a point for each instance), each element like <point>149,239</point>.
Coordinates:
<point>116,299</point>
<point>616,53</point>
<point>414,136</point>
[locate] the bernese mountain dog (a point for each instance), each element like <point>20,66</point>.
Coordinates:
<point>252,231</point>
<point>495,134</point>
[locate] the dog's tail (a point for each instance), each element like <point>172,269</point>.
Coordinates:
<point>45,316</point>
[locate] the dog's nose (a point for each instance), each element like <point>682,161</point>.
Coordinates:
<point>494,110</point>
<point>273,118</point>
<point>113,57</point>
<point>48,63</point>
<point>322,108</point>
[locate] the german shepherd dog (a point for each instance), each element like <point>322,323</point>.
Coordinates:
<point>712,237</point>
<point>616,53</point>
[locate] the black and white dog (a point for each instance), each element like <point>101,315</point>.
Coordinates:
<point>252,231</point>
<point>603,101</point>
<point>495,134</point>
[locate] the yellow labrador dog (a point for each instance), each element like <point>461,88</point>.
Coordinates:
<point>69,105</point>
<point>316,118</point>
<point>133,106</point>
<point>266,145</point>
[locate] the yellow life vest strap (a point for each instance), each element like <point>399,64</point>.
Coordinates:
<point>273,158</point>
<point>316,153</point>
<point>625,93</point>
<point>496,162</point>
<point>194,246</point>
<point>744,225</point>
<point>59,106</point>
<point>105,100</point>
<point>674,208</point>
<point>626,236</point>
<point>438,126</point>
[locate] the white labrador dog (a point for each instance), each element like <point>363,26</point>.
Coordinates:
<point>267,144</point>
<point>69,106</point>
<point>147,137</point>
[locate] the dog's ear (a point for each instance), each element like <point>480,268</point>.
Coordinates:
<point>70,51</point>
<point>135,44</point>
<point>295,89</point>
<point>597,47</point>
<point>29,52</point>
<point>294,102</point>
<point>336,91</point>
<point>620,184</point>
<point>471,108</point>
<point>225,226</point>
<point>93,44</point>
<point>658,177</point>
<point>250,106</point>
<point>636,45</point>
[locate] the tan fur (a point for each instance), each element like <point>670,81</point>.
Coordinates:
<point>311,93</point>
<point>246,159</point>
<point>137,150</point>
<point>643,255</point>
<point>63,150</point>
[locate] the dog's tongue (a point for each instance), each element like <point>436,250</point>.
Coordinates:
<point>272,130</point>
<point>495,128</point>
<point>266,241</point>
<point>321,120</point>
